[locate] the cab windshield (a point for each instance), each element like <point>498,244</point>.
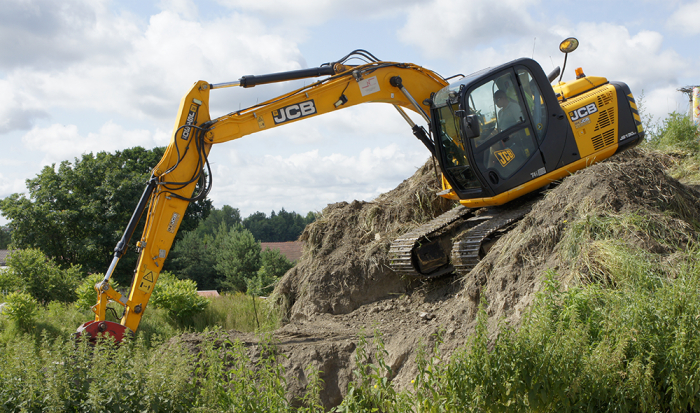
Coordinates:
<point>455,157</point>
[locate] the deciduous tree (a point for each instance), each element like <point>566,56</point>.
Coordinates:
<point>76,212</point>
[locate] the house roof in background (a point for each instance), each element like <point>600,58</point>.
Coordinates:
<point>291,249</point>
<point>3,257</point>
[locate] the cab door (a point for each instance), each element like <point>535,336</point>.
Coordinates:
<point>513,119</point>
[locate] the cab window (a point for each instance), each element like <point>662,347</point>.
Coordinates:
<point>534,102</point>
<point>456,161</point>
<point>506,141</point>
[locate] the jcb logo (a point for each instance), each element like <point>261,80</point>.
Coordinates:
<point>504,156</point>
<point>583,112</point>
<point>293,112</point>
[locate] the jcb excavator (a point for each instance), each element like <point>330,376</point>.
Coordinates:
<point>497,135</point>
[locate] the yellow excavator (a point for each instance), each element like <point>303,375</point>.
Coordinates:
<point>497,134</point>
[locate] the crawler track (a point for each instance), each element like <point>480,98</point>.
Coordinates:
<point>467,249</point>
<point>401,252</point>
<point>454,241</point>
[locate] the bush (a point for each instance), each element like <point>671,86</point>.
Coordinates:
<point>86,293</point>
<point>676,132</point>
<point>41,277</point>
<point>8,282</point>
<point>22,309</point>
<point>273,266</point>
<point>178,297</point>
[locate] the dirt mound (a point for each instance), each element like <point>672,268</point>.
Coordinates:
<point>342,286</point>
<point>345,260</point>
<point>631,184</point>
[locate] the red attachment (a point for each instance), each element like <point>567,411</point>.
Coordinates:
<point>94,329</point>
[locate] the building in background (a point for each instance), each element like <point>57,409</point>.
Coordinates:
<point>291,249</point>
<point>3,258</point>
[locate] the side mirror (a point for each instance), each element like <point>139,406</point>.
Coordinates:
<point>471,126</point>
<point>568,45</point>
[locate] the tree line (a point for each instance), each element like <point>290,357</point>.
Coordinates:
<point>75,213</point>
<point>224,251</point>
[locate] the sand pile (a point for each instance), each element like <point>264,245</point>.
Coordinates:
<point>345,261</point>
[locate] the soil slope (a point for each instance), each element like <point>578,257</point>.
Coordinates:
<point>342,286</point>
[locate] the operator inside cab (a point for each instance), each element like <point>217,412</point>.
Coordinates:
<point>509,113</point>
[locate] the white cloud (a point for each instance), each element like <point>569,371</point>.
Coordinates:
<point>64,142</point>
<point>181,7</point>
<point>661,101</point>
<point>686,19</point>
<point>484,34</point>
<point>309,181</point>
<point>49,35</point>
<point>449,28</point>
<point>18,110</point>
<point>638,59</point>
<point>305,13</point>
<point>140,73</point>
<point>10,185</point>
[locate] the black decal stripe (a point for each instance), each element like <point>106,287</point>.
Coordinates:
<point>635,113</point>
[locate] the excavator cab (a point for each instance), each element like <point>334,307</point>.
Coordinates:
<point>506,131</point>
<point>498,129</point>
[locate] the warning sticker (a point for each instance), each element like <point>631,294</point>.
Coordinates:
<point>369,86</point>
<point>146,284</point>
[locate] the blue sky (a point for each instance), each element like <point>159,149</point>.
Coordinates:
<point>82,76</point>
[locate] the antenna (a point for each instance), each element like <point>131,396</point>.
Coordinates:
<point>533,47</point>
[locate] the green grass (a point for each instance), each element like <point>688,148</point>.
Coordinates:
<point>61,376</point>
<point>238,312</point>
<point>43,369</point>
<point>677,136</point>
<point>230,312</point>
<point>629,344</point>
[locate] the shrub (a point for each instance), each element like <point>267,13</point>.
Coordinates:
<point>86,294</point>
<point>178,297</point>
<point>8,282</point>
<point>274,265</point>
<point>41,277</point>
<point>677,132</point>
<point>22,309</point>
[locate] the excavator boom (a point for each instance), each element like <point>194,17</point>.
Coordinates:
<point>175,177</point>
